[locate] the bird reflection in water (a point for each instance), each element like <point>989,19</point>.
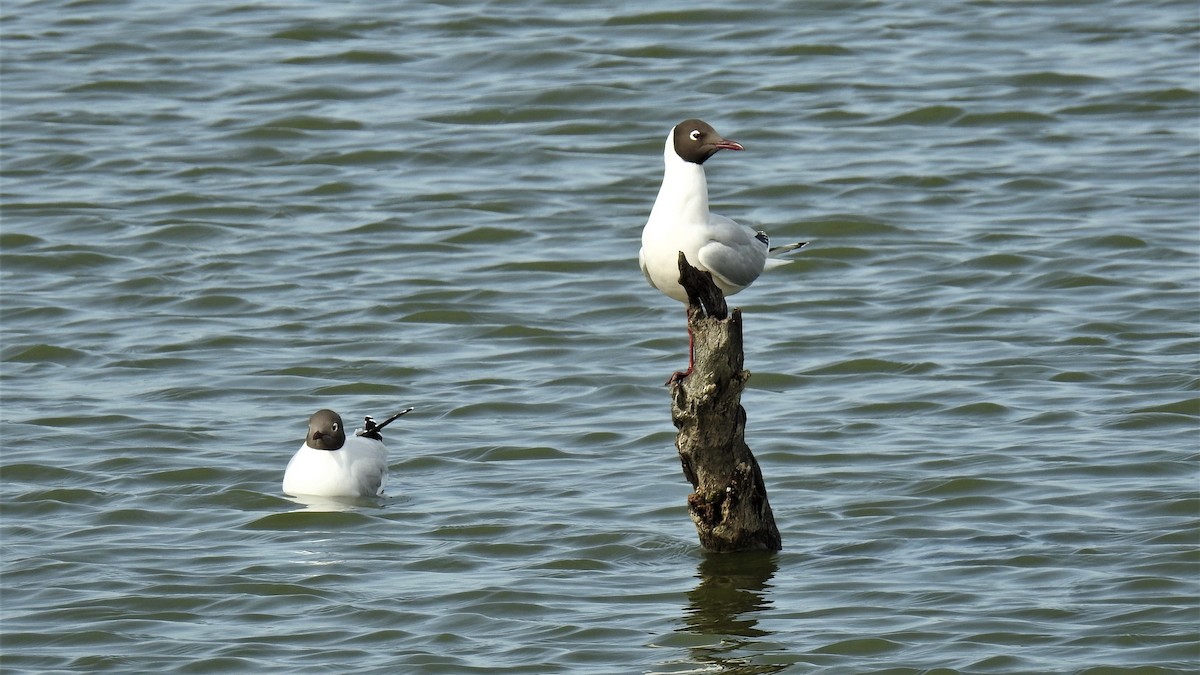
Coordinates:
<point>733,592</point>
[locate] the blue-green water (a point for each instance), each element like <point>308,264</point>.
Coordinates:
<point>974,398</point>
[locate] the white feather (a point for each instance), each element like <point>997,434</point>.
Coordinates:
<point>357,469</point>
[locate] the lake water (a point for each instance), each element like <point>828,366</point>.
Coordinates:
<point>974,398</point>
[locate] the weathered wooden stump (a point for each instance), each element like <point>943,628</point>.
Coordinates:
<point>729,500</point>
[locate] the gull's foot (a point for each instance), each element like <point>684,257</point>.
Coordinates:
<point>678,376</point>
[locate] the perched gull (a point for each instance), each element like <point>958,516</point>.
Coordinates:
<point>680,222</point>
<point>331,465</point>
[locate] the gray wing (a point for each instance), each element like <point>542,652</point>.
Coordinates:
<point>373,482</point>
<point>733,253</point>
<point>370,468</point>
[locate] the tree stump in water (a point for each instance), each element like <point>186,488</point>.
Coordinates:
<point>729,499</point>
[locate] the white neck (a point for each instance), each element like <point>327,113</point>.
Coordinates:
<point>683,197</point>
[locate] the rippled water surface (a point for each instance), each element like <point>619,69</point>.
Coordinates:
<point>974,397</point>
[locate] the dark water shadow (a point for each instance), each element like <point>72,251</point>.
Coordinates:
<point>733,592</point>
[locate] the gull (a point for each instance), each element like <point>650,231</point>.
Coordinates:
<point>330,464</point>
<point>681,222</point>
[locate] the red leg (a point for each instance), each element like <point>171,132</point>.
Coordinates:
<point>679,375</point>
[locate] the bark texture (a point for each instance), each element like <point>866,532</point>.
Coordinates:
<point>729,500</point>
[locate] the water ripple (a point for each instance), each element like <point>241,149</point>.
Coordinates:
<point>973,398</point>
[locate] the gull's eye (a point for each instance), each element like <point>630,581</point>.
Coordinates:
<point>695,135</point>
<point>335,426</point>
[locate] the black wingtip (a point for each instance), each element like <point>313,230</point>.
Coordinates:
<point>787,248</point>
<point>393,418</point>
<point>371,429</point>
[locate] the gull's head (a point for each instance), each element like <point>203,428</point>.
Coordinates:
<point>696,141</point>
<point>325,431</point>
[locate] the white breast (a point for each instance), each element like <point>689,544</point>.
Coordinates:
<point>358,469</point>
